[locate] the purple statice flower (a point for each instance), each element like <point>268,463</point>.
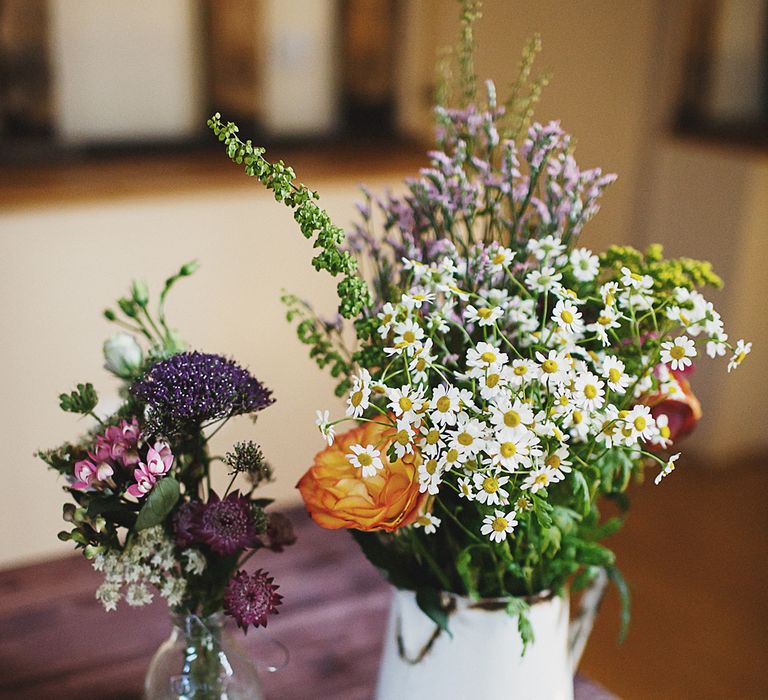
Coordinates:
<point>227,526</point>
<point>187,390</point>
<point>251,598</point>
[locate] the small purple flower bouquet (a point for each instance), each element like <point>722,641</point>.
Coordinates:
<point>144,509</point>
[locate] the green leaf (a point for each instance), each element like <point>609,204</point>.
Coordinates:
<point>580,486</point>
<point>464,567</point>
<point>81,400</point>
<point>431,604</point>
<point>160,501</point>
<point>624,596</point>
<point>542,509</point>
<point>595,554</point>
<point>550,541</point>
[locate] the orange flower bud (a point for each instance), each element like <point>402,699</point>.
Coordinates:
<point>336,494</point>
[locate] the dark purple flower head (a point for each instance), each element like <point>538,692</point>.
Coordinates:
<point>228,526</point>
<point>192,388</point>
<point>250,598</point>
<point>186,523</point>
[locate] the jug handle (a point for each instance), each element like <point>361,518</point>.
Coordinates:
<point>580,627</point>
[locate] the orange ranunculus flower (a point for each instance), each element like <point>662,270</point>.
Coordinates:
<point>337,495</point>
<point>683,411</point>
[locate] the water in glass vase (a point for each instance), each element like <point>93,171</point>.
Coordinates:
<point>201,661</point>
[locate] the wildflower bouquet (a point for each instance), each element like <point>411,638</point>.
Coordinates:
<point>506,379</point>
<point>144,509</point>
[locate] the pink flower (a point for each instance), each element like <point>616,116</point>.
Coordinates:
<point>120,442</point>
<point>89,475</point>
<point>158,464</point>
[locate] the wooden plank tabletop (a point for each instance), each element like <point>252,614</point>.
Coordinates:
<point>57,642</point>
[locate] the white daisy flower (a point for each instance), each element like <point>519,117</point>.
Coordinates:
<point>554,368</point>
<point>465,488</point>
<point>483,356</point>
<point>513,447</point>
<point>488,489</point>
<point>500,257</point>
<point>430,476</point>
<point>538,479</point>
<point>609,293</point>
<point>677,353</point>
<point>404,438</point>
<point>408,336</point>
<point>421,361</point>
<point>559,463</point>
<point>523,371</point>
<point>416,298</point>
<point>406,402</point>
<point>668,469</point>
<point>468,436</point>
<point>741,350</point>
<point>662,438</point>
<point>543,280</point>
<point>568,317</point>
<point>386,317</point>
<point>585,265</point>
<point>577,424</point>
<point>483,315</point>
<point>323,423</point>
<point>609,318</point>
<point>506,414</point>
<point>367,458</point>
<point>545,248</point>
<point>493,382</point>
<point>590,392</point>
<point>452,458</point>
<point>429,522</point>
<point>614,372</point>
<point>430,441</point>
<point>499,525</point>
<point>445,405</point>
<point>632,280</point>
<point>639,423</point>
<point>360,394</point>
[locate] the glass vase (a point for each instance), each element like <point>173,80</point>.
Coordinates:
<point>201,661</point>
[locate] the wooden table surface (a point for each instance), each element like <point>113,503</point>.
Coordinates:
<point>57,642</point>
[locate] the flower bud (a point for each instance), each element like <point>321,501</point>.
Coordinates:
<point>68,513</point>
<point>139,292</point>
<point>91,551</point>
<point>189,268</point>
<point>123,355</point>
<point>128,307</point>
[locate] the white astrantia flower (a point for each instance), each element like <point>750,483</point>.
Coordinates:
<point>489,488</point>
<point>326,429</point>
<point>544,280</point>
<point>387,317</point>
<point>499,525</point>
<point>568,317</point>
<point>483,315</point>
<point>586,266</point>
<point>668,469</point>
<point>360,394</point>
<point>138,595</point>
<point>538,479</point>
<point>741,350</point>
<point>677,353</point>
<point>445,405</point>
<point>429,522</point>
<point>366,458</point>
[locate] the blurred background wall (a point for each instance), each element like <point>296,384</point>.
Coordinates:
<point>673,96</point>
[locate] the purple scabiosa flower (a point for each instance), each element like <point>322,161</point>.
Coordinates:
<point>250,598</point>
<point>228,526</point>
<point>187,390</point>
<point>186,523</point>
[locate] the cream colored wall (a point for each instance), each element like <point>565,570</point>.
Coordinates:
<point>59,267</point>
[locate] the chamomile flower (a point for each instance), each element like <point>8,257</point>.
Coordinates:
<point>632,280</point>
<point>741,350</point>
<point>465,488</point>
<point>445,405</point>
<point>554,368</point>
<point>489,488</point>
<point>494,380</point>
<point>408,337</point>
<point>638,424</point>
<point>668,469</point>
<point>367,458</point>
<point>585,265</point>
<point>508,414</point>
<point>544,280</point>
<point>717,345</point>
<point>499,525</point>
<point>615,373</point>
<point>577,424</point>
<point>406,402</point>
<point>546,248</point>
<point>359,395</point>
<point>609,293</point>
<point>386,317</point>
<point>590,392</point>
<point>416,298</point>
<point>523,371</point>
<point>429,522</point>
<point>483,315</point>
<point>499,257</point>
<point>662,438</point>
<point>431,440</point>
<point>430,476</point>
<point>468,436</point>
<point>511,448</point>
<point>568,317</point>
<point>677,353</point>
<point>539,479</point>
<point>421,361</point>
<point>608,319</point>
<point>326,429</point>
<point>483,356</point>
<point>558,462</point>
<point>403,438</point>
